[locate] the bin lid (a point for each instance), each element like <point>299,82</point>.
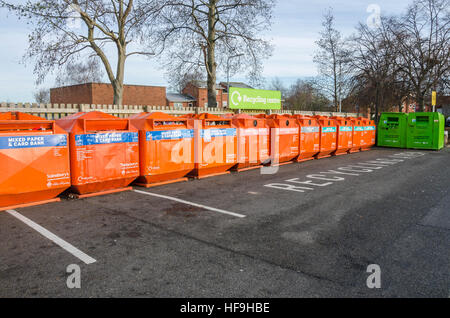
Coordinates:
<point>23,122</point>
<point>98,121</point>
<point>146,121</point>
<point>244,116</point>
<point>19,116</point>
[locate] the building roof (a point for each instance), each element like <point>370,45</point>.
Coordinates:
<point>108,84</point>
<point>235,84</point>
<point>179,98</point>
<point>221,85</point>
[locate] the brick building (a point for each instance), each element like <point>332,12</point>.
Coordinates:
<point>195,94</point>
<point>179,100</point>
<point>199,91</point>
<point>101,93</point>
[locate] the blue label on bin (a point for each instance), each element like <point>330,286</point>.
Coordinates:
<point>371,128</point>
<point>328,129</point>
<point>358,128</point>
<point>346,128</point>
<point>106,138</point>
<point>169,134</point>
<point>34,141</point>
<point>218,132</point>
<point>310,129</point>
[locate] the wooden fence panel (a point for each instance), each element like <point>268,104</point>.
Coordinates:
<point>57,111</point>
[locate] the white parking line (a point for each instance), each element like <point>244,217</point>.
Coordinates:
<point>191,203</point>
<point>52,237</point>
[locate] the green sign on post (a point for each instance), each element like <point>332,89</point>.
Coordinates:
<point>247,98</point>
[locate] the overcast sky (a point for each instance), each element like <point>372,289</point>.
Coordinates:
<point>295,29</point>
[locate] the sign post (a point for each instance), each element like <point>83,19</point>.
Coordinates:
<point>433,100</point>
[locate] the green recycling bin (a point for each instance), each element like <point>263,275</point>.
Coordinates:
<point>392,130</point>
<point>425,131</point>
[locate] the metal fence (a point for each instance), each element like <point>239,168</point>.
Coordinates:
<point>57,111</point>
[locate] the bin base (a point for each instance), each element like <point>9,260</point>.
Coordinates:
<point>340,154</point>
<point>281,164</point>
<point>151,185</point>
<point>322,157</point>
<point>305,159</point>
<point>212,175</point>
<point>366,149</point>
<point>25,205</point>
<point>354,151</point>
<point>248,168</point>
<point>89,195</point>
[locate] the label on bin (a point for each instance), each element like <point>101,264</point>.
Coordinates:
<point>217,132</point>
<point>371,128</point>
<point>106,138</point>
<point>310,129</point>
<point>248,131</point>
<point>288,131</point>
<point>359,128</point>
<point>36,141</point>
<point>169,134</point>
<point>329,129</point>
<point>346,128</point>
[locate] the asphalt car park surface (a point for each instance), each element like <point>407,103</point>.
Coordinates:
<point>309,230</point>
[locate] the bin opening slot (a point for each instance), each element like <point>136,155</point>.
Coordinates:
<point>392,119</point>
<point>26,126</point>
<point>422,120</point>
<point>170,123</point>
<point>94,125</point>
<point>218,123</point>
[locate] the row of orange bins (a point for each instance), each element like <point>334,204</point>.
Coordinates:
<point>95,153</point>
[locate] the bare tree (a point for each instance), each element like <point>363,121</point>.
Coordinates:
<point>423,41</point>
<point>64,30</point>
<point>278,85</point>
<point>80,72</point>
<point>304,95</point>
<point>332,61</point>
<point>42,96</point>
<point>374,66</point>
<point>179,81</point>
<point>205,34</point>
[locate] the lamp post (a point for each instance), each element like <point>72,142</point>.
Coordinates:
<point>228,76</point>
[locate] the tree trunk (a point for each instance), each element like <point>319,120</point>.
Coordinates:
<point>211,58</point>
<point>420,101</point>
<point>118,93</point>
<point>118,82</point>
<point>335,86</point>
<point>377,101</point>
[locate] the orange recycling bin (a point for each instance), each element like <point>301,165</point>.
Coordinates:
<point>166,148</point>
<point>369,134</point>
<point>328,136</point>
<point>253,141</point>
<point>34,160</point>
<point>358,131</point>
<point>309,137</point>
<point>284,138</point>
<point>344,136</point>
<point>215,143</point>
<point>104,153</point>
